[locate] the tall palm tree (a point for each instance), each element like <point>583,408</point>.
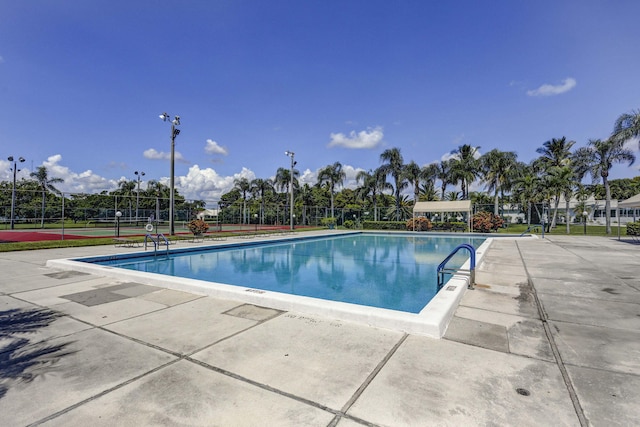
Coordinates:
<point>244,186</point>
<point>602,156</point>
<point>444,175</point>
<point>497,169</point>
<point>46,184</point>
<point>465,168</point>
<point>525,187</point>
<point>414,174</point>
<point>305,195</point>
<point>428,175</point>
<point>374,183</point>
<point>555,154</point>
<point>627,126</point>
<point>259,187</point>
<point>332,175</point>
<point>393,164</point>
<point>126,190</point>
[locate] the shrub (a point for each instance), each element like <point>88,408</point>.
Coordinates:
<point>633,229</point>
<point>328,222</point>
<point>349,224</point>
<point>485,222</point>
<point>384,225</point>
<point>198,226</point>
<point>419,223</point>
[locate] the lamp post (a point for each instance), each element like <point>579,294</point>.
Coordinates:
<point>584,220</point>
<point>13,189</point>
<point>118,215</point>
<point>138,175</point>
<point>293,163</point>
<point>174,132</point>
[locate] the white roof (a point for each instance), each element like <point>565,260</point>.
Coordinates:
<point>633,202</point>
<point>452,206</point>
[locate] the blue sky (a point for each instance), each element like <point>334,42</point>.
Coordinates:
<point>82,84</point>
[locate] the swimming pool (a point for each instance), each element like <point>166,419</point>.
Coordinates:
<point>395,272</point>
<point>382,279</point>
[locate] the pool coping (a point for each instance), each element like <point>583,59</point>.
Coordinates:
<point>431,321</point>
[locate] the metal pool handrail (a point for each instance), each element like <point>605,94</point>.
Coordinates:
<point>471,272</point>
<point>156,243</point>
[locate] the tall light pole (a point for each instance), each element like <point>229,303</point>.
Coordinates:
<point>13,190</point>
<point>139,175</point>
<point>293,163</point>
<point>174,132</point>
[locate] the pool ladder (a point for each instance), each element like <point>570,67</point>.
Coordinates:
<point>156,242</point>
<point>471,273</point>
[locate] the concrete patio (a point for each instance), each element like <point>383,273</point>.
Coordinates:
<point>550,336</point>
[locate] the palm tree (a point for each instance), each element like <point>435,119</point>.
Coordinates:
<point>444,175</point>
<point>244,186</point>
<point>260,187</point>
<point>627,126</point>
<point>305,195</point>
<point>497,168</point>
<point>126,190</point>
<point>413,173</point>
<point>374,183</point>
<point>46,184</point>
<point>602,155</point>
<point>332,175</point>
<point>555,154</point>
<point>465,168</point>
<point>393,164</point>
<point>525,187</point>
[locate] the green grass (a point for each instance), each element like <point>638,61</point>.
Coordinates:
<point>561,230</point>
<point>53,244</point>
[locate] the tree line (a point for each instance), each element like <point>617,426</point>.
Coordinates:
<point>558,172</point>
<point>40,194</point>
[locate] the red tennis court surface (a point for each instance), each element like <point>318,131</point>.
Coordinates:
<point>34,236</point>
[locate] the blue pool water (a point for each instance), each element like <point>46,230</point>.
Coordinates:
<point>397,272</point>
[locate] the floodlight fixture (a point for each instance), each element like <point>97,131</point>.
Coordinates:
<point>293,163</point>
<point>13,188</point>
<point>174,132</point>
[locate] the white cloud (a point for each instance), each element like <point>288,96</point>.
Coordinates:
<point>550,90</point>
<point>308,177</point>
<point>154,154</point>
<point>632,144</point>
<point>370,138</point>
<point>83,182</point>
<point>213,147</point>
<point>206,184</point>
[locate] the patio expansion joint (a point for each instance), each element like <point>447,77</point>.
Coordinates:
<point>104,392</point>
<point>554,348</point>
<point>178,357</point>
<point>343,411</point>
